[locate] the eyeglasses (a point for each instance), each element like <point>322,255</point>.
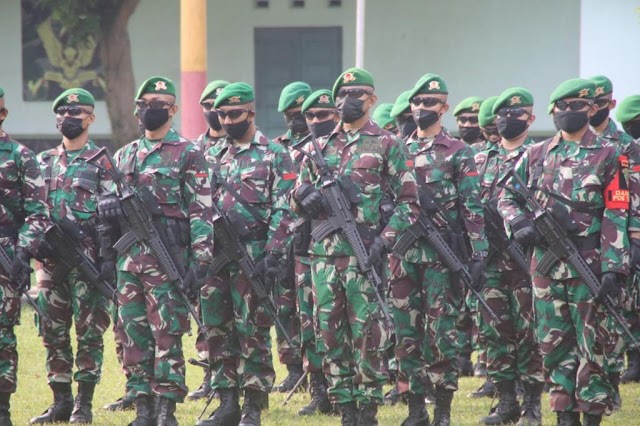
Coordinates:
<point>601,103</point>
<point>576,105</point>
<point>140,104</point>
<point>512,112</point>
<point>353,93</point>
<point>232,113</point>
<point>208,106</point>
<point>72,111</point>
<point>320,115</point>
<point>471,119</point>
<point>427,101</point>
<point>290,116</point>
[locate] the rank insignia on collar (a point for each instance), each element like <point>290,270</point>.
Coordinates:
<point>234,99</point>
<point>300,100</point>
<point>324,99</point>
<point>434,85</point>
<point>161,85</point>
<point>475,106</point>
<point>584,92</point>
<point>599,90</point>
<point>515,100</point>
<point>348,77</point>
<point>72,98</point>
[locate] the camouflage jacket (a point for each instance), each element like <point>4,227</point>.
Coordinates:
<point>374,159</point>
<point>175,171</point>
<point>584,175</point>
<point>493,164</point>
<point>261,173</point>
<point>288,141</point>
<point>73,183</point>
<point>479,147</point>
<point>211,147</point>
<point>23,210</point>
<point>445,166</point>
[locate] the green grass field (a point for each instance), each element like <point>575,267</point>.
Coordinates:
<point>34,396</point>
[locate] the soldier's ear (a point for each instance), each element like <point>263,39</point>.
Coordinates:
<point>173,110</point>
<point>531,119</point>
<point>4,112</point>
<point>612,104</point>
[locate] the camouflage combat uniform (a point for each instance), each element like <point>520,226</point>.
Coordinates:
<point>238,327</point>
<point>352,325</point>
<point>21,194</point>
<point>152,312</point>
<point>566,314</point>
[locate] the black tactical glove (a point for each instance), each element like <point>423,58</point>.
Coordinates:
<point>21,271</point>
<point>376,253</point>
<point>609,286</point>
<point>194,280</point>
<point>268,269</point>
<point>44,250</point>
<point>477,271</point>
<point>634,254</point>
<point>108,272</point>
<point>524,231</point>
<point>311,200</point>
<point>109,207</point>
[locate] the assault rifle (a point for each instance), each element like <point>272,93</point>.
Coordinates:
<point>500,241</point>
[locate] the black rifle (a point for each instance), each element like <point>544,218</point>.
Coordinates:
<point>341,220</point>
<point>66,237</point>
<point>5,264</point>
<point>499,240</point>
<point>561,247</point>
<point>141,210</point>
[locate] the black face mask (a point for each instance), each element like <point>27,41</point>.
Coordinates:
<point>425,118</point>
<point>406,125</point>
<point>296,123</point>
<point>632,128</point>
<point>153,119</point>
<point>599,117</point>
<point>323,128</point>
<point>351,109</point>
<point>70,127</point>
<point>236,130</point>
<point>141,128</point>
<point>469,134</point>
<point>213,120</point>
<point>511,127</point>
<point>570,121</point>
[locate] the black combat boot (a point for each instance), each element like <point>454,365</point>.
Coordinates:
<point>145,413</point>
<point>632,373</point>
<point>60,410</point>
<point>591,419</point>
<point>568,418</point>
<point>465,366</point>
<point>507,411</point>
<point>393,397</point>
<point>125,403</point>
<point>228,413</point>
<point>442,411</point>
<point>367,414</point>
<point>614,379</point>
<point>349,414</point>
<point>418,415</point>
<point>319,398</point>
<point>165,412</point>
<point>254,401</point>
<point>295,372</point>
<point>5,409</point>
<point>82,407</point>
<point>203,390</point>
<point>487,390</point>
<point>530,411</point>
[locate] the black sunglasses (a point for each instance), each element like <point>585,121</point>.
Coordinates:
<point>232,113</point>
<point>353,93</point>
<point>208,106</point>
<point>320,115</point>
<point>72,111</point>
<point>153,104</point>
<point>576,105</point>
<point>512,112</point>
<point>601,103</point>
<point>427,101</point>
<point>472,119</point>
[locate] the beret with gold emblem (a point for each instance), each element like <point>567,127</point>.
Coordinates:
<point>603,85</point>
<point>159,85</point>
<point>235,94</point>
<point>353,77</point>
<point>574,88</point>
<point>471,104</point>
<point>293,95</point>
<point>382,115</point>
<point>429,84</point>
<point>401,105</point>
<point>486,117</point>
<point>628,109</point>
<point>213,89</point>
<point>319,99</point>
<point>74,97</point>
<point>514,97</point>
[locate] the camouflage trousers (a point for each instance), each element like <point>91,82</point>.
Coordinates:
<point>238,333</point>
<point>572,354</point>
<point>9,318</point>
<point>512,352</point>
<point>118,337</point>
<point>312,346</point>
<point>467,330</point>
<point>153,318</point>
<point>72,301</point>
<point>285,298</point>
<point>425,312</point>
<point>353,329</point>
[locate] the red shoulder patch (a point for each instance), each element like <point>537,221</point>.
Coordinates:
<point>635,169</point>
<point>409,163</point>
<point>624,161</point>
<point>290,176</point>
<point>616,194</point>
<point>473,173</point>
<point>202,175</point>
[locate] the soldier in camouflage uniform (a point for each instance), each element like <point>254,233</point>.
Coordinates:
<point>261,174</point>
<point>382,117</point>
<point>23,218</point>
<point>512,353</point>
<point>466,114</point>
<point>487,121</point>
<point>352,324</point>
<point>290,103</point>
<point>577,174</point>
<point>423,294</point>
<point>401,112</point>
<point>73,182</point>
<point>151,308</point>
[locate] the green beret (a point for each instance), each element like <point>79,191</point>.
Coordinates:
<point>603,85</point>
<point>515,97</point>
<point>159,85</point>
<point>486,117</point>
<point>628,109</point>
<point>72,97</point>
<point>213,89</point>
<point>471,104</point>
<point>574,88</point>
<point>429,84</point>
<point>401,105</point>
<point>353,77</point>
<point>382,115</point>
<point>1,92</point>
<point>293,95</point>
<point>319,99</point>
<point>235,94</point>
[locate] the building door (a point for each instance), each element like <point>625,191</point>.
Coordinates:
<point>283,55</point>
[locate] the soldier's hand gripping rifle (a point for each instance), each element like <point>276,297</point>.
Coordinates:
<point>341,220</point>
<point>5,265</point>
<point>66,237</point>
<point>561,248</point>
<point>500,241</point>
<point>140,212</point>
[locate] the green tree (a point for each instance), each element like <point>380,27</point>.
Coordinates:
<point>106,21</point>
